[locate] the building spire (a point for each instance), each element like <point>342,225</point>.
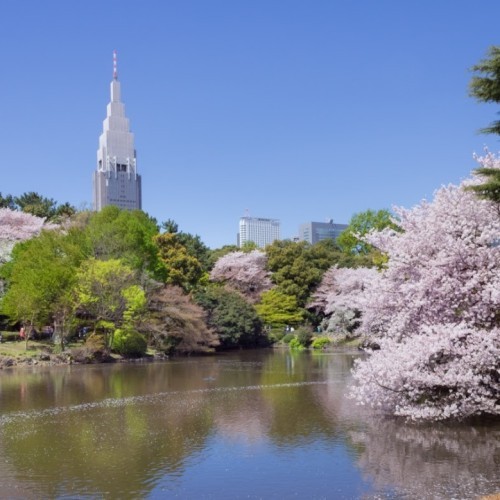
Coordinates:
<point>115,66</point>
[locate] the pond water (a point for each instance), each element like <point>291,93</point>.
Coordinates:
<point>247,424</point>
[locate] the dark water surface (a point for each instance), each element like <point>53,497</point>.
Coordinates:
<point>255,424</point>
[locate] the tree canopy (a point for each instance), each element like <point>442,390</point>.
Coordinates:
<point>485,85</point>
<point>351,239</point>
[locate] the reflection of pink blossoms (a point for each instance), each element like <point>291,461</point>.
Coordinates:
<point>243,271</point>
<point>436,307</point>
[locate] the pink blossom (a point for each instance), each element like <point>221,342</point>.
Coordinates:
<point>245,272</point>
<point>17,226</point>
<point>438,296</point>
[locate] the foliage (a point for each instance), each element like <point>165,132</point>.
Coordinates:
<point>485,87</point>
<point>40,206</point>
<point>101,292</point>
<point>304,336</point>
<point>7,201</point>
<point>435,311</point>
<point>181,267</point>
<point>129,343</point>
<point>40,278</point>
<point>296,345</point>
<point>279,310</point>
<point>94,350</point>
<point>249,246</point>
<point>127,235</point>
<point>35,204</point>
<point>275,335</point>
<point>231,317</point>
<point>320,343</point>
<point>193,244</point>
<point>287,338</point>
<point>175,322</point>
<point>135,305</point>
<point>196,248</point>
<point>351,239</point>
<point>297,267</point>
<point>244,272</point>
<point>488,187</point>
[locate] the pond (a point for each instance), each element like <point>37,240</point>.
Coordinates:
<point>247,424</point>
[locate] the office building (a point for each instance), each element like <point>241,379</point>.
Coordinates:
<point>116,181</point>
<point>259,230</point>
<point>313,232</point>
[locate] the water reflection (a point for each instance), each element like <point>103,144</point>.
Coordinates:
<point>266,424</point>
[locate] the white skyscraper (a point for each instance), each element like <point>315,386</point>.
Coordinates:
<point>116,181</point>
<point>261,231</point>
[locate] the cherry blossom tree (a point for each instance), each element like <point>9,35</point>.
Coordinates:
<point>245,272</point>
<point>340,297</point>
<point>435,308</point>
<point>17,226</point>
<point>342,288</point>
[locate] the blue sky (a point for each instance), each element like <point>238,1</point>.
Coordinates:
<point>295,110</point>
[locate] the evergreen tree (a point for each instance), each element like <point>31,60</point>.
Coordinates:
<point>485,87</point>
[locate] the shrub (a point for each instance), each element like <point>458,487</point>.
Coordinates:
<point>296,345</point>
<point>93,350</point>
<point>320,343</point>
<point>287,338</point>
<point>277,334</point>
<point>129,343</point>
<point>231,317</point>
<point>304,337</point>
<point>9,336</point>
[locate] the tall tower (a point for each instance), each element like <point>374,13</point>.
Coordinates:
<point>116,181</point>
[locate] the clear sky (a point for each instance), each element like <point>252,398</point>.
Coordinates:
<point>295,110</point>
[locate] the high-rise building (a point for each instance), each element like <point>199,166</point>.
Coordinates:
<point>259,230</point>
<point>317,231</point>
<point>116,181</point>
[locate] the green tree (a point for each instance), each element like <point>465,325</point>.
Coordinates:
<point>249,246</point>
<point>360,224</point>
<point>278,309</point>
<point>490,188</point>
<point>231,317</point>
<point>193,244</point>
<point>36,204</point>
<point>135,306</point>
<point>102,293</point>
<point>7,201</point>
<point>64,211</point>
<point>181,267</point>
<point>40,278</point>
<point>297,267</point>
<point>127,235</point>
<point>485,86</point>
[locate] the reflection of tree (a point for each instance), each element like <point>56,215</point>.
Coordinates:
<point>120,448</point>
<point>88,446</point>
<point>118,430</point>
<point>429,462</point>
<point>296,414</point>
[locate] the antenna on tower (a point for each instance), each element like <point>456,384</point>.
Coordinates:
<point>115,66</point>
